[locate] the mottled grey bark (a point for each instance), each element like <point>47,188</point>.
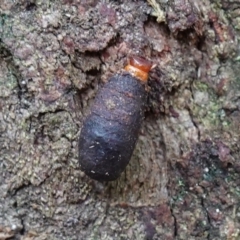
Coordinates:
<point>183,180</point>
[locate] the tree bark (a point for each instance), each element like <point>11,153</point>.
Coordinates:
<point>183,179</point>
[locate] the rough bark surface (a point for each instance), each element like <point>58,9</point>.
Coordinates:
<point>183,180</point>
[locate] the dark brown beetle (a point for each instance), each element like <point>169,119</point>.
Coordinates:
<point>110,131</point>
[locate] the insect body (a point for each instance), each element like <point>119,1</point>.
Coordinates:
<point>110,131</point>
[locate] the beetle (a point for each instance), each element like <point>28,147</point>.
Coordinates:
<point>110,131</point>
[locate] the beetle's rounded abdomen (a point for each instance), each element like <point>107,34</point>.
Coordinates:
<point>110,131</point>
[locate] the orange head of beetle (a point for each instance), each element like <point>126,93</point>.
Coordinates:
<point>139,67</point>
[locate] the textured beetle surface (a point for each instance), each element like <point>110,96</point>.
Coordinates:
<point>110,131</point>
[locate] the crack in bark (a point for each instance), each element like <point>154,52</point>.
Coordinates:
<point>175,230</point>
